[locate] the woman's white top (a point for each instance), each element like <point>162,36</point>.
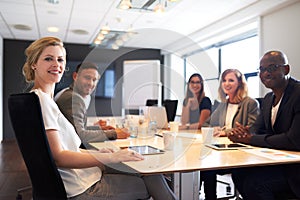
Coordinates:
<point>76,181</point>
<point>231,111</point>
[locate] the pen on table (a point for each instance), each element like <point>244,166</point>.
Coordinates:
<point>158,135</point>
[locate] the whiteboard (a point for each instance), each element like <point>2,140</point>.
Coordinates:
<point>141,81</point>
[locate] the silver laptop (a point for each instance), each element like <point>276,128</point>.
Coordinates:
<point>158,114</point>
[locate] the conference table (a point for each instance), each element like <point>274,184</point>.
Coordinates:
<point>191,155</point>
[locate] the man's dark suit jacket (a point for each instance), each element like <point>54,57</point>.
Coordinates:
<point>285,134</point>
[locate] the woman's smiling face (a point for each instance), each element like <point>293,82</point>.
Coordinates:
<point>230,84</point>
<point>50,65</point>
<point>195,84</point>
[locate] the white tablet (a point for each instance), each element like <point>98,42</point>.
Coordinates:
<point>228,146</point>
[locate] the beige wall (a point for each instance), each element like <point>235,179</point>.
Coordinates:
<point>281,30</point>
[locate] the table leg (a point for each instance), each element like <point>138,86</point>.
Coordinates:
<point>186,185</point>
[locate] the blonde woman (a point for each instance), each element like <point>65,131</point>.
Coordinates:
<point>80,169</point>
<point>235,107</point>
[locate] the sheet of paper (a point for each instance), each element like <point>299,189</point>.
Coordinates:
<point>272,154</point>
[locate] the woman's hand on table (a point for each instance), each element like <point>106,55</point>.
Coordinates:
<point>219,132</point>
<point>125,155</point>
<point>106,150</point>
<point>192,103</point>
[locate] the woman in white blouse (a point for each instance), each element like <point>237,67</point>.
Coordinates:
<point>81,169</point>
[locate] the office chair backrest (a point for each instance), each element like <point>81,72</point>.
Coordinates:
<point>26,118</point>
<point>171,108</point>
<point>151,102</point>
<point>260,101</point>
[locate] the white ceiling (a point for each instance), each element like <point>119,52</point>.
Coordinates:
<point>187,19</point>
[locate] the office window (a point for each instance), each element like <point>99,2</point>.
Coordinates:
<point>239,51</point>
<point>244,56</point>
<point>204,62</point>
<point>241,54</point>
<point>253,86</point>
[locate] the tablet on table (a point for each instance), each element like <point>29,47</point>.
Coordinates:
<point>227,146</point>
<point>145,149</point>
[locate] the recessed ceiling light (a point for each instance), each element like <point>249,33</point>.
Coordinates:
<point>115,47</point>
<point>80,32</point>
<point>22,27</point>
<point>53,29</point>
<point>105,29</point>
<point>100,36</point>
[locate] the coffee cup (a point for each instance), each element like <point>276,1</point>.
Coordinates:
<point>207,134</point>
<point>169,140</point>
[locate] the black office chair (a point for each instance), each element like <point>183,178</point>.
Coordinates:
<point>260,101</point>
<point>171,108</point>
<point>26,118</point>
<point>151,102</point>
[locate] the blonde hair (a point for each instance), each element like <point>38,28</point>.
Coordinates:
<point>33,52</point>
<point>242,89</point>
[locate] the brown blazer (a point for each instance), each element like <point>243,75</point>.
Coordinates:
<point>72,106</point>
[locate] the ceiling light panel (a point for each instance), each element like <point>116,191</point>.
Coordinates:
<point>91,15</point>
<point>46,19</point>
<point>87,17</point>
<point>18,13</point>
<point>149,5</point>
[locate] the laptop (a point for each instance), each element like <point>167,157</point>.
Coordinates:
<point>158,114</point>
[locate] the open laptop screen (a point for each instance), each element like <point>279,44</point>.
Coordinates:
<point>158,114</point>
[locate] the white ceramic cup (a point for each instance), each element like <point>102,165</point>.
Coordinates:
<point>207,134</point>
<point>169,140</point>
<point>174,126</point>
